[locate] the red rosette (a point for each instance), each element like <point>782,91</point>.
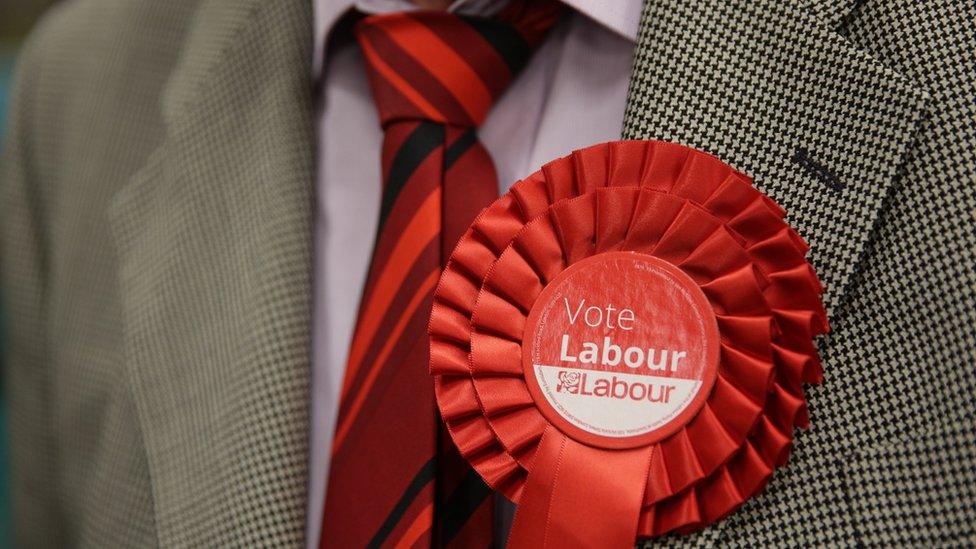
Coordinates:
<point>696,215</point>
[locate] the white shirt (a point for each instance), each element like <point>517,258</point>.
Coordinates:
<point>571,94</point>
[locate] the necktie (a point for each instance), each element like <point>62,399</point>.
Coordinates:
<point>395,478</point>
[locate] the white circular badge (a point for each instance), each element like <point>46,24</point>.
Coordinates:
<point>621,350</point>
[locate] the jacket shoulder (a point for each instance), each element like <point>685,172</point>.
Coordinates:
<point>88,55</point>
<point>89,82</point>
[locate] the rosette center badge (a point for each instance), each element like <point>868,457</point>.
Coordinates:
<point>623,349</point>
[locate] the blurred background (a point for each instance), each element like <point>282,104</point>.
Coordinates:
<point>16,19</point>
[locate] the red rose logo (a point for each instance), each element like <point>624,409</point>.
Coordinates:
<point>568,380</point>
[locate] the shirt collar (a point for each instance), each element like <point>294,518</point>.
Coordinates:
<point>620,16</point>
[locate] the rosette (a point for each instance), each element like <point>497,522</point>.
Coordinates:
<point>620,343</point>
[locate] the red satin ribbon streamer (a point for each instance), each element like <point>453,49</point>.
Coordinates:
<point>580,496</point>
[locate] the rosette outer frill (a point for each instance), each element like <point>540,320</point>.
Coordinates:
<point>696,213</point>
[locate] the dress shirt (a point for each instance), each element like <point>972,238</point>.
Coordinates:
<point>571,94</point>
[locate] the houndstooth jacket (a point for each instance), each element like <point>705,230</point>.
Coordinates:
<point>155,244</point>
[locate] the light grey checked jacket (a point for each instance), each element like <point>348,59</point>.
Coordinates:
<point>155,241</point>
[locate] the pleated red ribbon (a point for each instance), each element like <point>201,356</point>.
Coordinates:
<point>662,203</point>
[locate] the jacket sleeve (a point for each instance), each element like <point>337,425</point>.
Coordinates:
<point>25,343</point>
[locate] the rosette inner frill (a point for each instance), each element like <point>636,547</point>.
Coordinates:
<point>675,204</point>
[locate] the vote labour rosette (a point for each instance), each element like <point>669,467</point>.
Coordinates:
<point>620,344</point>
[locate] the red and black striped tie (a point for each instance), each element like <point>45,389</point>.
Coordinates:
<point>395,479</point>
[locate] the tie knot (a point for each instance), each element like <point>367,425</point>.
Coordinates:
<point>446,68</point>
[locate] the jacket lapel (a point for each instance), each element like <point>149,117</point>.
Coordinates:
<point>771,88</point>
<point>214,241</point>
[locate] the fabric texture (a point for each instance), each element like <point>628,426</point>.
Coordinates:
<point>155,254</point>
<point>157,259</point>
<point>857,117</point>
